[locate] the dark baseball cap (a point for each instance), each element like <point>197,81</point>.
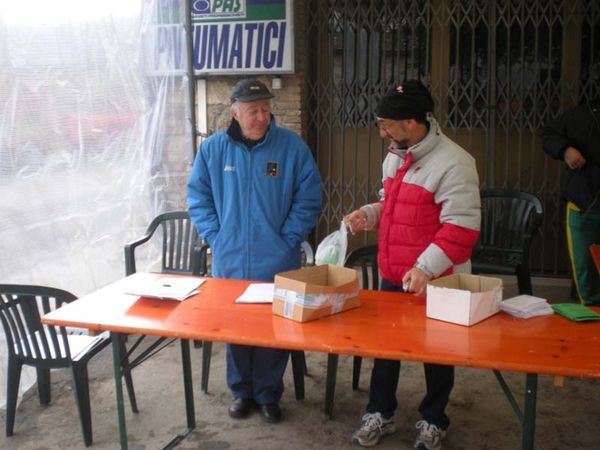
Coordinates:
<point>408,100</point>
<point>249,90</point>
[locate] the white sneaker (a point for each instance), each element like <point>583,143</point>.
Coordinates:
<point>372,429</point>
<point>429,437</point>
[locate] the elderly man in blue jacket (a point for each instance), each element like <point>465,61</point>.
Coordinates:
<point>254,194</point>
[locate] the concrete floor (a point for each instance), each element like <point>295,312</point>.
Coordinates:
<point>481,417</point>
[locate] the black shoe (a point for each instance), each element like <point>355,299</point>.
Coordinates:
<point>270,412</point>
<point>241,407</point>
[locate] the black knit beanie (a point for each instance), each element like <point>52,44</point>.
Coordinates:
<point>409,100</point>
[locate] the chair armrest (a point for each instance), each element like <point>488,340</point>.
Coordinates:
<point>199,265</point>
<point>130,252</point>
<point>308,253</point>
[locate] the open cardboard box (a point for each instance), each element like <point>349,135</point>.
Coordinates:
<point>314,292</point>
<point>463,299</point>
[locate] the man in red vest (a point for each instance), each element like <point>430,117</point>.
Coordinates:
<point>428,219</point>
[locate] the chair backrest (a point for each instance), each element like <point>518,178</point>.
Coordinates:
<point>179,241</point>
<point>509,219</point>
<point>366,259</point>
<point>27,338</point>
<point>183,251</point>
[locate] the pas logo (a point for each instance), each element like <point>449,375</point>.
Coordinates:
<point>214,9</point>
<point>229,168</point>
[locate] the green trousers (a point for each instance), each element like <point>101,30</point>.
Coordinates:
<point>583,230</point>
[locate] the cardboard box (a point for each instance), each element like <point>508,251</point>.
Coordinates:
<point>314,292</point>
<point>463,299</point>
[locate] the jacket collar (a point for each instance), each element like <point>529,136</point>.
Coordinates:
<point>431,139</point>
<point>235,133</point>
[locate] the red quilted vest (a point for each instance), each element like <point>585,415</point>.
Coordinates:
<point>408,224</point>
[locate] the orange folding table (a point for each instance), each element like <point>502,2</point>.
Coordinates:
<point>386,325</point>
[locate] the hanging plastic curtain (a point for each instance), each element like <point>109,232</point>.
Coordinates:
<point>93,136</point>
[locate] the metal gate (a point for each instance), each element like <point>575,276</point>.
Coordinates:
<point>497,71</point>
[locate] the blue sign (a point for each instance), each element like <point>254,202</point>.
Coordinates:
<point>242,36</point>
<point>230,37</point>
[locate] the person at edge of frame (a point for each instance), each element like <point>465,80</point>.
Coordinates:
<point>574,138</point>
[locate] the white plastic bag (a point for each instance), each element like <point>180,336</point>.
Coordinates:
<point>332,249</point>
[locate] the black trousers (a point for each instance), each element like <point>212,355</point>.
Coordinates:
<point>384,382</point>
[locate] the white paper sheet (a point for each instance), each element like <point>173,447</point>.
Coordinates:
<point>80,345</point>
<point>257,293</point>
<point>172,288</point>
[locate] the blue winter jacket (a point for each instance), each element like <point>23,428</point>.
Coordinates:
<point>254,207</point>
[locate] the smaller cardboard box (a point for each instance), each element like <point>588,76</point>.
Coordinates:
<point>463,299</point>
<point>314,292</point>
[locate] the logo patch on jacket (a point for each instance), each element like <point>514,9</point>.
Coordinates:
<point>272,169</point>
<point>229,168</point>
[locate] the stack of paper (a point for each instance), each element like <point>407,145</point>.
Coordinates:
<point>174,288</point>
<point>526,306</point>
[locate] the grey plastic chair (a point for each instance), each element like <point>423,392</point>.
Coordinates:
<point>509,220</point>
<point>183,252</point>
<point>45,347</point>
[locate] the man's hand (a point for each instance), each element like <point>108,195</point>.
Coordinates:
<point>415,281</point>
<point>356,221</point>
<point>573,158</point>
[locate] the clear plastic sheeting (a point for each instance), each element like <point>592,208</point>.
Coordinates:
<point>93,144</point>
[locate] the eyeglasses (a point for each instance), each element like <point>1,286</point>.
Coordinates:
<point>384,126</point>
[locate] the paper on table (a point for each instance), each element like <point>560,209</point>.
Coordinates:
<point>542,309</point>
<point>257,293</point>
<point>522,302</point>
<point>175,288</point>
<point>526,306</point>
